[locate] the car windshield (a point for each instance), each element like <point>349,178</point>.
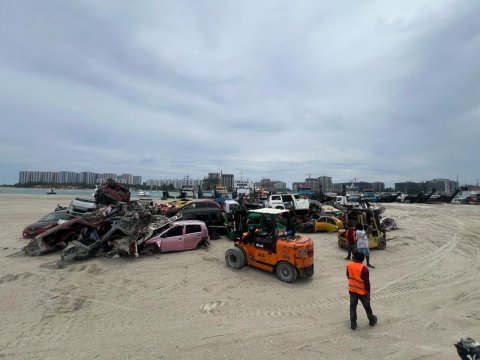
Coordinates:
<point>54,216</point>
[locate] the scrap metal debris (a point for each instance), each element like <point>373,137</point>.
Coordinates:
<point>118,227</point>
<point>111,193</point>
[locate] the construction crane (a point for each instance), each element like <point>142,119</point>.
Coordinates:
<point>309,175</point>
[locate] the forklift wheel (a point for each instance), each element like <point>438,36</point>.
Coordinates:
<point>382,243</point>
<point>286,272</point>
<point>235,258</point>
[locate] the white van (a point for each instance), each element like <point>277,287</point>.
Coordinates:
<point>288,201</point>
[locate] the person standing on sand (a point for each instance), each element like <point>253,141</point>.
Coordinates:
<point>359,289</point>
<point>351,237</point>
<point>362,244</point>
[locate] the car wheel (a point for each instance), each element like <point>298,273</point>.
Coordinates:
<point>286,272</point>
<point>382,243</point>
<point>235,258</point>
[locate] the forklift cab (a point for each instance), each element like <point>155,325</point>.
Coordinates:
<point>265,227</point>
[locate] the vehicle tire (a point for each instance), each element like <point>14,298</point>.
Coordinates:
<point>382,243</point>
<point>286,272</point>
<point>235,258</point>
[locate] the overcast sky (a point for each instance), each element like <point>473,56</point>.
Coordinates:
<point>368,90</point>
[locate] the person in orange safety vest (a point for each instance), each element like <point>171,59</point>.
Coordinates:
<point>359,289</point>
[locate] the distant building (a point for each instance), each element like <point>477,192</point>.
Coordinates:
<point>211,181</point>
<point>313,183</point>
<point>49,177</point>
<point>24,177</point>
<point>88,178</point>
<point>326,183</point>
<point>338,187</point>
<point>67,177</point>
<point>136,180</point>
<point>227,180</point>
<point>296,185</point>
<point>410,187</point>
<point>125,179</point>
<point>444,186</point>
<point>105,176</point>
<point>272,185</point>
<point>70,177</point>
<point>378,186</point>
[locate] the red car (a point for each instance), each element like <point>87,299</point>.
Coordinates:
<point>47,222</point>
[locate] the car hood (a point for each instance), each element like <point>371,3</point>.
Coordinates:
<point>41,224</point>
<point>157,240</point>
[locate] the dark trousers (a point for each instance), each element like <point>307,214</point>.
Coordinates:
<point>365,299</point>
<point>350,249</point>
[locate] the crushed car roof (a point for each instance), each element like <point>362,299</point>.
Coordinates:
<point>269,211</point>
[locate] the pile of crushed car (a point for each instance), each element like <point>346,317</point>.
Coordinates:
<point>114,226</point>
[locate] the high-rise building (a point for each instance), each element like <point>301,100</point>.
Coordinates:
<point>314,184</point>
<point>88,178</point>
<point>296,185</point>
<point>67,177</point>
<point>444,186</point>
<point>272,185</point>
<point>125,179</point>
<point>24,177</point>
<point>228,181</point>
<point>326,184</point>
<point>410,187</point>
<point>378,186</point>
<point>136,180</point>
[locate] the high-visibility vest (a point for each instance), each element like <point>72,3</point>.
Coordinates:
<point>354,235</point>
<point>355,282</point>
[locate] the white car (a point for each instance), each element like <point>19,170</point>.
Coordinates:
<point>80,206</point>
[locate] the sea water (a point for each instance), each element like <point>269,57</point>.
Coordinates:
<point>82,193</point>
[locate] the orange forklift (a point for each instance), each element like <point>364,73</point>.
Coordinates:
<point>271,244</point>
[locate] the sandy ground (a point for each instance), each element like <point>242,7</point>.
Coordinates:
<point>426,293</point>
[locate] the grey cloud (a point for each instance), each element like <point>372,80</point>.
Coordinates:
<point>371,90</point>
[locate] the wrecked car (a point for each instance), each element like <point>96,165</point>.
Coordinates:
<point>45,223</point>
<point>388,224</point>
<point>57,237</point>
<point>328,223</point>
<point>194,204</point>
<point>180,236</point>
<point>111,193</point>
<point>178,204</point>
<point>80,206</point>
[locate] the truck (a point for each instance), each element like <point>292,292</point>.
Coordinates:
<point>344,201</point>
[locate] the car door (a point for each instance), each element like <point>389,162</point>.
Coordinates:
<point>331,225</point>
<point>320,224</point>
<point>193,236</point>
<point>173,239</point>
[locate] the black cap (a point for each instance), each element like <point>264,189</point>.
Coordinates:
<point>358,256</point>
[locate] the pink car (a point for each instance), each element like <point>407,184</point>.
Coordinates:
<point>182,235</point>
